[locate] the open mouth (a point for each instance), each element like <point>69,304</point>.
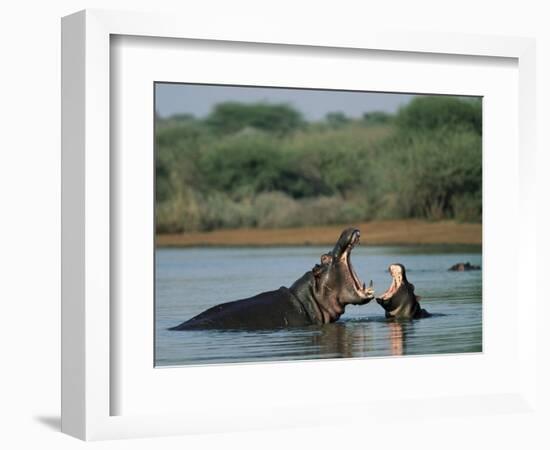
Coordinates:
<point>397,280</point>
<point>359,286</point>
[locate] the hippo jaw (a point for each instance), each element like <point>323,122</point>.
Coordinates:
<point>397,272</point>
<point>359,286</point>
<point>342,255</point>
<point>336,282</point>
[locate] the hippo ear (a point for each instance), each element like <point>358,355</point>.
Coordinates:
<point>326,258</point>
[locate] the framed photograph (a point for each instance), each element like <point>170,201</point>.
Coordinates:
<point>262,187</point>
<point>217,186</point>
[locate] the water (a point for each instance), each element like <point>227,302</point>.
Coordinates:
<point>188,281</point>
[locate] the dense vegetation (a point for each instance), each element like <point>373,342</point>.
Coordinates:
<point>263,165</point>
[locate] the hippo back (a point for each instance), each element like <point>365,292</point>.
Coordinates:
<point>268,310</point>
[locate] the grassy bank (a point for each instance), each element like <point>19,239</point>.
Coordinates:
<point>388,232</point>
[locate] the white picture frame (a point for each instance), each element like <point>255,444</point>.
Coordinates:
<point>88,328</point>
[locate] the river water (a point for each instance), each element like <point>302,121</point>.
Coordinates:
<point>190,280</point>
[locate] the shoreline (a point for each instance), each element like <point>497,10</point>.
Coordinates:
<point>385,232</point>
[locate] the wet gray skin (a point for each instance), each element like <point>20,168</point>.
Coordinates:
<point>400,301</point>
<point>320,296</point>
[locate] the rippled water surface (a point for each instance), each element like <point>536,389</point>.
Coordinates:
<point>188,281</point>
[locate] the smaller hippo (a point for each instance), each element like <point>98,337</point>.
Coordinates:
<point>400,301</point>
<point>463,267</point>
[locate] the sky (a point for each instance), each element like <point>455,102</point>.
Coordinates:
<point>175,98</point>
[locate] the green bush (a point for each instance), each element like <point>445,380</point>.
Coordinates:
<point>261,166</point>
<point>423,174</point>
<point>336,161</point>
<point>242,165</point>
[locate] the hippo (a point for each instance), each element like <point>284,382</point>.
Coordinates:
<point>463,267</point>
<point>318,297</point>
<point>400,301</point>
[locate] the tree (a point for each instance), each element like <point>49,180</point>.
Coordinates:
<point>438,112</point>
<point>231,117</point>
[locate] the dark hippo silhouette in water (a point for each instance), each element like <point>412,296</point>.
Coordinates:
<point>318,297</point>
<point>400,301</point>
<point>463,267</point>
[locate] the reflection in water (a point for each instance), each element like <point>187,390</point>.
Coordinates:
<point>347,341</point>
<point>341,340</point>
<point>396,338</point>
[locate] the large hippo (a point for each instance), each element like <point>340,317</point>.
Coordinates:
<point>400,301</point>
<point>318,297</point>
